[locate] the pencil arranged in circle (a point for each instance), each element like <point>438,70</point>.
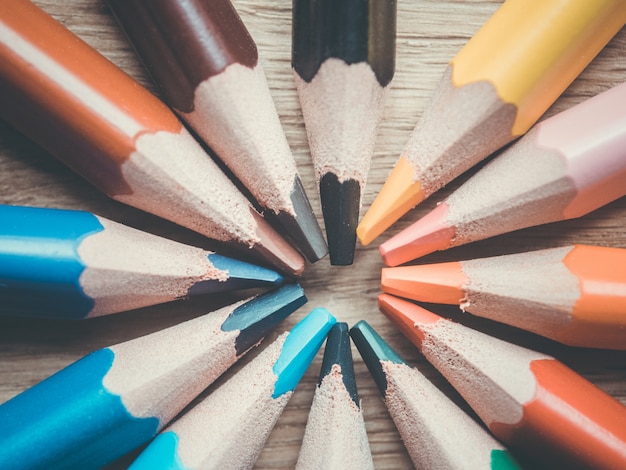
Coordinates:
<point>104,125</point>
<point>116,399</point>
<point>528,400</point>
<point>343,58</point>
<point>335,435</point>
<point>436,432</point>
<point>229,428</point>
<point>492,92</point>
<point>207,65</point>
<point>573,294</point>
<point>57,263</point>
<point>565,167</point>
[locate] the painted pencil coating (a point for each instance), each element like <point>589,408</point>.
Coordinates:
<point>529,400</point>
<point>343,57</point>
<point>206,63</point>
<point>117,398</point>
<point>493,91</point>
<point>229,427</point>
<point>436,432</point>
<point>575,294</point>
<point>335,434</point>
<point>104,125</point>
<point>565,167</point>
<point>71,264</point>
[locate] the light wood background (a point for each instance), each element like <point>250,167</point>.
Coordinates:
<point>429,34</point>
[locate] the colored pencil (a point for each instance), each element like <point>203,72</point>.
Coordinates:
<point>436,432</point>
<point>565,167</point>
<point>229,427</point>
<point>58,263</point>
<point>528,400</point>
<point>104,125</point>
<point>574,294</point>
<point>207,66</point>
<point>492,92</point>
<point>343,58</point>
<point>117,398</point>
<point>335,434</point>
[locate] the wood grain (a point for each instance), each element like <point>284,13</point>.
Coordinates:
<point>429,34</point>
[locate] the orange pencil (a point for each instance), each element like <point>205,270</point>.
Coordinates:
<point>529,401</point>
<point>574,294</point>
<point>492,92</point>
<point>104,125</point>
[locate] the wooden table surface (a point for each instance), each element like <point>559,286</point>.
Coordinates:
<point>429,34</point>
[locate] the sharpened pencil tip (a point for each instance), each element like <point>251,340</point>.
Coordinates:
<point>425,236</point>
<point>338,352</point>
<point>373,350</point>
<point>300,348</point>
<point>303,228</point>
<point>399,194</point>
<point>341,201</point>
<point>257,317</point>
<point>435,283</point>
<point>407,316</point>
<point>242,275</point>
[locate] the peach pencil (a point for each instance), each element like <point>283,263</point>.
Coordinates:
<point>436,432</point>
<point>492,92</point>
<point>573,294</point>
<point>565,167</point>
<point>117,398</point>
<point>201,55</point>
<point>335,435</point>
<point>57,263</point>
<point>530,401</point>
<point>343,59</point>
<point>104,125</point>
<point>229,427</point>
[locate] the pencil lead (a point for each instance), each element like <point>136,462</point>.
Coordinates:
<point>256,318</point>
<point>407,316</point>
<point>374,350</point>
<point>338,352</point>
<point>302,226</point>
<point>399,194</point>
<point>435,283</point>
<point>341,201</point>
<point>300,348</point>
<point>425,236</point>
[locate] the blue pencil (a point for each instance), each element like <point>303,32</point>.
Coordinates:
<point>436,432</point>
<point>335,434</point>
<point>116,399</point>
<point>71,264</point>
<point>229,428</point>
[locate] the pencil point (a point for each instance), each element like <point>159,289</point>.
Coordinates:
<point>425,236</point>
<point>338,352</point>
<point>303,227</point>
<point>399,194</point>
<point>435,283</point>
<point>340,207</point>
<point>300,348</point>
<point>373,350</point>
<point>407,316</point>
<point>241,275</point>
<point>273,249</point>
<point>161,453</point>
<point>257,317</point>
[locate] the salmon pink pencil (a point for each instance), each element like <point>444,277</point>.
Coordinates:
<point>492,92</point>
<point>530,401</point>
<point>565,167</point>
<point>575,294</point>
<point>104,125</point>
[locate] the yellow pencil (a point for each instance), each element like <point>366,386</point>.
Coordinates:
<point>492,92</point>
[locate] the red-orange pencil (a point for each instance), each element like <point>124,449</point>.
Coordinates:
<point>530,401</point>
<point>574,294</point>
<point>104,125</point>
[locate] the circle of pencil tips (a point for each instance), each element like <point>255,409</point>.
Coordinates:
<point>229,428</point>
<point>117,398</point>
<point>530,401</point>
